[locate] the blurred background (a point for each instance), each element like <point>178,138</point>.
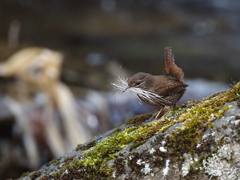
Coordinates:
<point>59,57</point>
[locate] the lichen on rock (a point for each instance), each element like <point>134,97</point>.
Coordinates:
<point>197,140</point>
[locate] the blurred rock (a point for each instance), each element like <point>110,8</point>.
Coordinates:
<point>201,88</point>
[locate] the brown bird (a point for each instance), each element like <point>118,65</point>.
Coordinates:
<point>165,90</point>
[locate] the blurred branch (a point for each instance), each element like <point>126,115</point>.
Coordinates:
<point>13,34</point>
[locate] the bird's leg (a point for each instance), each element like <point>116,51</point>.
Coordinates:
<point>158,113</point>
<point>171,107</point>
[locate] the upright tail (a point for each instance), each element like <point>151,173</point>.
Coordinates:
<point>170,67</point>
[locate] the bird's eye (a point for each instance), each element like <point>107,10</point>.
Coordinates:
<point>137,83</point>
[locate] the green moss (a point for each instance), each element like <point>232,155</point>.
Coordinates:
<point>53,161</point>
<point>105,149</point>
<point>35,175</point>
<point>115,131</point>
<point>195,117</point>
<point>84,147</point>
<point>136,145</point>
<point>68,159</point>
<point>25,174</point>
<point>139,119</point>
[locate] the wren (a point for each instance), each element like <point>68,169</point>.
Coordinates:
<point>165,90</point>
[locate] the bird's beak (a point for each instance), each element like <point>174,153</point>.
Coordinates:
<point>126,88</point>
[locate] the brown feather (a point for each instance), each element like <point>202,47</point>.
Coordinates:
<point>170,67</point>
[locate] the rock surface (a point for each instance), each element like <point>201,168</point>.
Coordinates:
<point>197,140</point>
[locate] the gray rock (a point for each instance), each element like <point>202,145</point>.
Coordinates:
<point>198,140</point>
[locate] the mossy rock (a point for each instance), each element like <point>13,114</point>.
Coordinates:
<point>197,140</point>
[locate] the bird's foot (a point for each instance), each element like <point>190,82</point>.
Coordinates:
<point>162,117</point>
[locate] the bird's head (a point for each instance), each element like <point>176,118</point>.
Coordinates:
<point>137,80</point>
